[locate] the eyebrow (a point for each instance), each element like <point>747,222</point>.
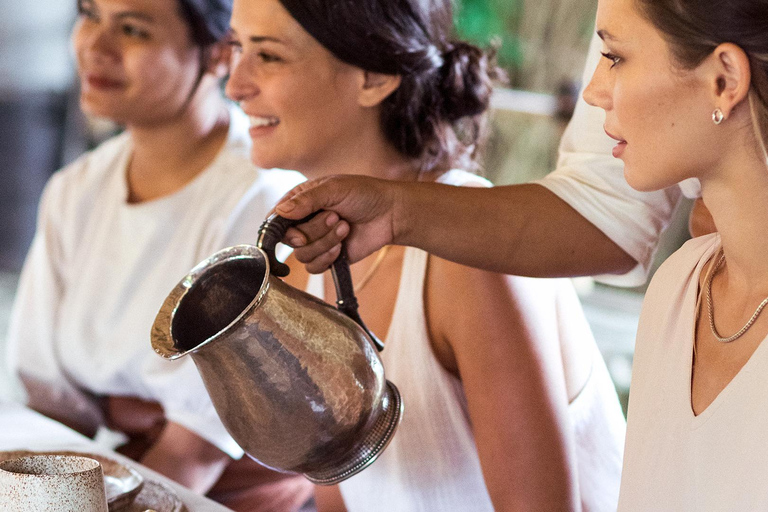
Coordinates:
<point>604,34</point>
<point>262,39</point>
<point>121,15</point>
<point>257,39</point>
<point>135,15</point>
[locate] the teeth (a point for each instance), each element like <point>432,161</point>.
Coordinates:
<point>259,122</point>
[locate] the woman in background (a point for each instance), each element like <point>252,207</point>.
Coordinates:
<point>120,226</point>
<point>508,403</point>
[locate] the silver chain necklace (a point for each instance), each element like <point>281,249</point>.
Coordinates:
<point>710,309</point>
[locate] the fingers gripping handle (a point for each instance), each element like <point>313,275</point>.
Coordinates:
<point>273,230</point>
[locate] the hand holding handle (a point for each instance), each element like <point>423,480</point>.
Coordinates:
<point>273,230</point>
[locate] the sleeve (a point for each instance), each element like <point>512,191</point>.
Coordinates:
<point>31,343</point>
<point>591,181</point>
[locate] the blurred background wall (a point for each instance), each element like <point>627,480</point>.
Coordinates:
<point>38,131</point>
<point>36,79</point>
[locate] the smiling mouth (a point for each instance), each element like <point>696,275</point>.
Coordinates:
<point>262,122</point>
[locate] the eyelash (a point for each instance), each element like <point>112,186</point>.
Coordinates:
<point>268,57</point>
<point>131,31</point>
<point>615,59</point>
<point>263,56</point>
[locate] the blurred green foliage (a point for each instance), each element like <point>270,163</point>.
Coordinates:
<point>492,22</point>
<point>540,43</point>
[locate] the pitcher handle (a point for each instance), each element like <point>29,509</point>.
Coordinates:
<point>273,230</point>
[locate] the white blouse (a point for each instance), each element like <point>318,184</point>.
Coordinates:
<point>100,268</point>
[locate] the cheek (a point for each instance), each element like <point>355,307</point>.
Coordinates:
<point>77,40</point>
<point>646,108</point>
<point>320,109</point>
<point>162,73</point>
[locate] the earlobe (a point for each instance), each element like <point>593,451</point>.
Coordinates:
<point>733,77</point>
<point>376,87</point>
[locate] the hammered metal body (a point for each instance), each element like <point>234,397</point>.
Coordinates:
<point>297,384</point>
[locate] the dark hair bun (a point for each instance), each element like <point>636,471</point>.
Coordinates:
<point>466,85</point>
<point>436,115</point>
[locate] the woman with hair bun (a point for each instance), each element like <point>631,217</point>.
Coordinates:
<point>508,404</point>
<point>123,223</point>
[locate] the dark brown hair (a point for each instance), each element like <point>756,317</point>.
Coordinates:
<point>208,20</point>
<point>694,28</point>
<point>438,114</point>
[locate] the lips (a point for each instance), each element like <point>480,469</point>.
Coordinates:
<point>614,137</point>
<point>103,82</point>
<point>619,148</point>
<point>262,126</point>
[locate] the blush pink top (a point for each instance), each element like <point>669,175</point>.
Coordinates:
<point>674,460</point>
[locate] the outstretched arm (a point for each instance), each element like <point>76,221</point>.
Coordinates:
<point>517,229</point>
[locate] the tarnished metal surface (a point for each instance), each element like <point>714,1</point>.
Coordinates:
<point>296,383</point>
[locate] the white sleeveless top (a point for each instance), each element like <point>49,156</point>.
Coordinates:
<point>432,464</point>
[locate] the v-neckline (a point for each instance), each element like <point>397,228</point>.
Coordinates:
<point>709,410</point>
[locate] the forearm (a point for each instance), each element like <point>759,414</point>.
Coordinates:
<point>67,405</point>
<point>519,229</point>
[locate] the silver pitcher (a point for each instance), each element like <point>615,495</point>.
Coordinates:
<point>296,382</point>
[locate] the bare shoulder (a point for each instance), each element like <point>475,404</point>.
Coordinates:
<point>467,309</point>
<point>456,288</point>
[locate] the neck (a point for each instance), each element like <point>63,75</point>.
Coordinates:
<point>367,153</point>
<point>737,197</point>
<point>168,155</point>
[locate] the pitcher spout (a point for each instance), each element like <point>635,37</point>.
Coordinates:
<point>215,295</point>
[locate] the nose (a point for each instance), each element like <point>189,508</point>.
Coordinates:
<point>598,91</point>
<point>95,42</point>
<point>242,82</point>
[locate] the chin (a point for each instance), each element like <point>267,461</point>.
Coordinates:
<point>102,110</point>
<point>642,182</point>
<point>263,160</point>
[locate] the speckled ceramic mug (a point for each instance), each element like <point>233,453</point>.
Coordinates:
<point>52,483</point>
